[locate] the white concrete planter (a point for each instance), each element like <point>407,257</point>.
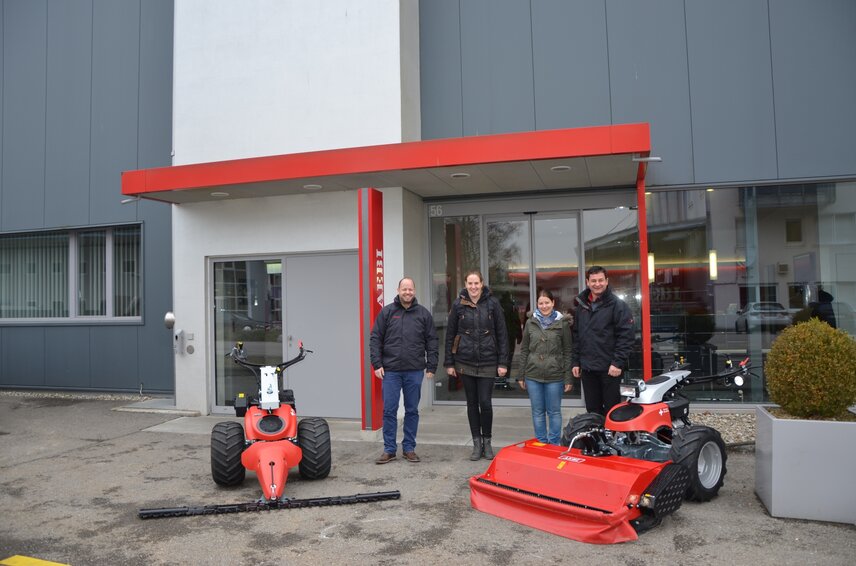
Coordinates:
<point>805,469</point>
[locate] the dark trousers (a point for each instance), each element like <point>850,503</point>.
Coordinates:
<point>601,391</point>
<point>479,408</point>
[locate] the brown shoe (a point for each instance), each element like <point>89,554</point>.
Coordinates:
<point>385,457</point>
<point>411,457</point>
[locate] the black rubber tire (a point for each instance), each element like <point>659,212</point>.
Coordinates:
<point>581,423</point>
<point>227,445</point>
<point>701,451</point>
<point>313,437</point>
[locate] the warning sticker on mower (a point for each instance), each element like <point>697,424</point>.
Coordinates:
<point>573,459</point>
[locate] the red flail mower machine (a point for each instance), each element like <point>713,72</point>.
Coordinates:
<point>612,479</point>
<point>270,442</point>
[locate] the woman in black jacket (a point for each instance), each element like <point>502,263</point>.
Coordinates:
<point>477,352</point>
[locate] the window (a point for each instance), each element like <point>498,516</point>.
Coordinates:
<point>793,231</point>
<point>71,274</point>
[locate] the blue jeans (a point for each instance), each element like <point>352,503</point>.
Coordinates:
<point>546,401</point>
<point>394,382</point>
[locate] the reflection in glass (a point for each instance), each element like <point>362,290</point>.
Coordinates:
<point>783,254</point>
<point>126,271</point>
<point>557,266</point>
<point>92,273</point>
<point>611,240</point>
<point>455,250</point>
<point>34,275</point>
<point>508,275</point>
<point>247,308</point>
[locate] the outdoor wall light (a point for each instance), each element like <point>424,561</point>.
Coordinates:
<point>650,159</point>
<point>313,187</point>
<point>650,268</point>
<point>560,168</point>
<point>219,194</point>
<point>714,269</point>
<point>460,175</point>
<point>129,200</point>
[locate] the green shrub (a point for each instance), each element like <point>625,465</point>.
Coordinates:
<point>811,370</point>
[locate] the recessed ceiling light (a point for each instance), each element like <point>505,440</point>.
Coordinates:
<point>560,168</point>
<point>219,194</point>
<point>313,187</point>
<point>460,175</point>
<point>710,190</point>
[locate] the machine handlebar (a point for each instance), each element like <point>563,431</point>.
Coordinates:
<point>240,357</point>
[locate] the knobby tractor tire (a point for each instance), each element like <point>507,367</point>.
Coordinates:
<point>701,451</point>
<point>581,423</point>
<point>227,445</point>
<point>313,437</point>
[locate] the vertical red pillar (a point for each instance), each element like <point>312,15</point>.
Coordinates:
<point>371,300</point>
<point>644,285</point>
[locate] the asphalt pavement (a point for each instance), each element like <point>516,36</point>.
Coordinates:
<point>75,471</point>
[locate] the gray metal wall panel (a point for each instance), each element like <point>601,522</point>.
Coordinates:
<point>155,341</point>
<point>496,64</point>
<point>155,124</point>
<point>440,69</point>
<point>731,87</point>
<point>814,80</point>
<point>22,356</point>
<point>130,43</point>
<point>66,353</point>
<point>69,79</point>
<point>154,149</point>
<point>2,57</point>
<point>115,97</point>
<point>649,82</point>
<point>24,38</point>
<point>113,357</point>
<point>571,64</point>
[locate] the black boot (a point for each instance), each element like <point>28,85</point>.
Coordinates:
<point>487,448</point>
<point>477,449</point>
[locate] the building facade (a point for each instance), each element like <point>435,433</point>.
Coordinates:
<point>750,219</point>
<point>84,279</point>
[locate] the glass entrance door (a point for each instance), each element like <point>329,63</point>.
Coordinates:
<point>557,265</point>
<point>247,308</point>
<point>523,253</point>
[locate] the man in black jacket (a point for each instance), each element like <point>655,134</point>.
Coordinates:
<point>403,347</point>
<point>603,340</point>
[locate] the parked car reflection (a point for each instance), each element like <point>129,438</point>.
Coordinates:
<point>766,315</point>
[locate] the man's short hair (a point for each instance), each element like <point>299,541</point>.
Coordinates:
<point>403,279</point>
<point>596,269</point>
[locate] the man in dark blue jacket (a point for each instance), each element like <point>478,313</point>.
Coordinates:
<point>603,340</point>
<point>403,348</point>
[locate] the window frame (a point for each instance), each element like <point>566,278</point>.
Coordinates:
<point>74,318</point>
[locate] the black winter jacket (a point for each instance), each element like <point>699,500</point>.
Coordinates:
<point>404,339</point>
<point>476,337</point>
<point>603,332</point>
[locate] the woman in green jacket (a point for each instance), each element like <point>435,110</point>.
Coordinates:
<point>545,362</point>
